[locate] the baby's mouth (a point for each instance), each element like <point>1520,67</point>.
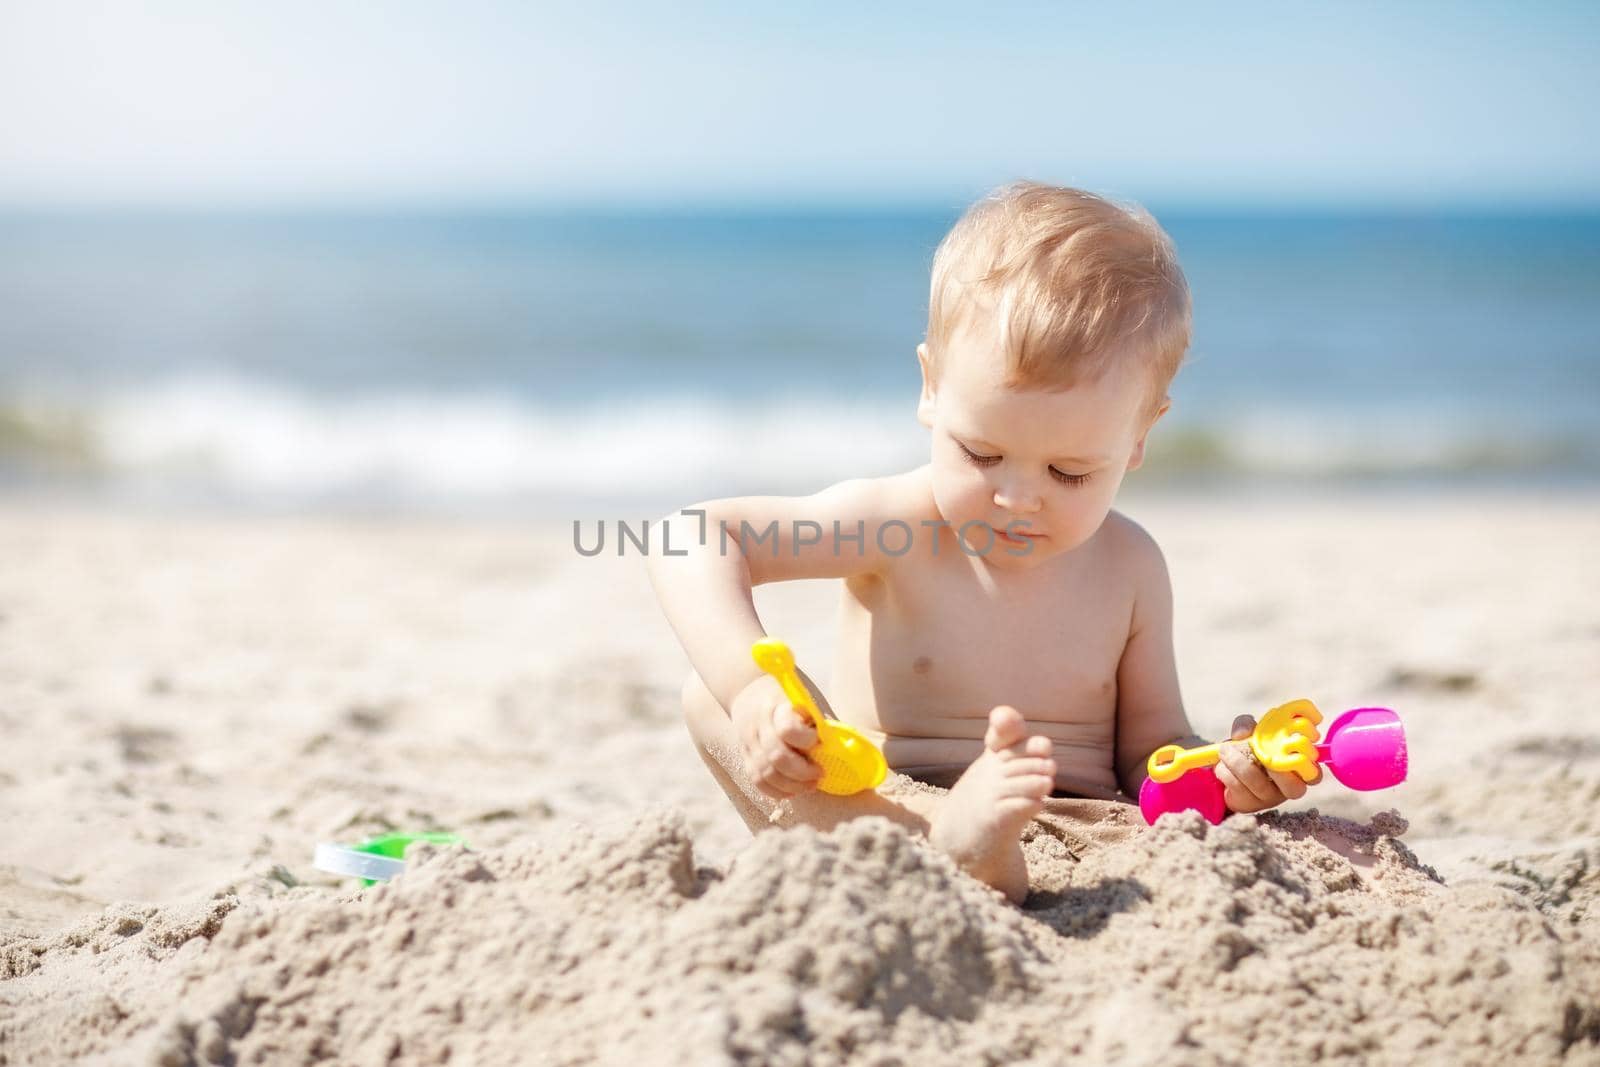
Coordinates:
<point>1017,537</point>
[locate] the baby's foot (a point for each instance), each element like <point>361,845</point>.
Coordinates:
<point>979,824</point>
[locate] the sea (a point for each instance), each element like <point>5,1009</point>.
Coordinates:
<point>558,360</point>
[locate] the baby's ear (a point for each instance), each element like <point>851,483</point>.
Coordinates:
<point>1138,449</point>
<point>925,402</point>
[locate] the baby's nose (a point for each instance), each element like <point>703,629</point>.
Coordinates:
<point>1018,498</point>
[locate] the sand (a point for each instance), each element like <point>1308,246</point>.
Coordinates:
<point>188,704</point>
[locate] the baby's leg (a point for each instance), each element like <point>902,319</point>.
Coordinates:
<point>979,822</point>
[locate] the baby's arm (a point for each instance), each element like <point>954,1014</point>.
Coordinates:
<point>706,595</point>
<point>1150,710</point>
<point>1149,707</point>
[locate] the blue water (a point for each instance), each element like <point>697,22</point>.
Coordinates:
<point>438,357</point>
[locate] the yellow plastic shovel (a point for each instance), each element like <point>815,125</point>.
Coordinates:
<point>850,763</point>
<point>1284,740</point>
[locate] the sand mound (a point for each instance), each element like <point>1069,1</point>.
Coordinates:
<point>1190,944</point>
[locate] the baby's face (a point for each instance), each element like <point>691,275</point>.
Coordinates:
<point>1050,460</point>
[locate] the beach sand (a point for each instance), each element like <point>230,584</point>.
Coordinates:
<point>189,704</point>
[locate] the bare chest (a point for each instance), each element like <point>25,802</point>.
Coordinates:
<point>927,652</point>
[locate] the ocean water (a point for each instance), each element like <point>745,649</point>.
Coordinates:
<point>528,360</point>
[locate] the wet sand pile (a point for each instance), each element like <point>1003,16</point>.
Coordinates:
<point>1189,944</point>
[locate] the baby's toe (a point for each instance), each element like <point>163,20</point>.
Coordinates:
<point>1029,766</point>
<point>1039,745</point>
<point>1018,807</point>
<point>1006,728</point>
<point>1025,787</point>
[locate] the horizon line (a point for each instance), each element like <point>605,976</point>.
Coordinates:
<point>910,204</point>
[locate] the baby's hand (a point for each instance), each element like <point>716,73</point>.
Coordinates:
<point>774,738</point>
<point>1248,786</point>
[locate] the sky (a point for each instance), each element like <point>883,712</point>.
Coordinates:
<point>216,103</point>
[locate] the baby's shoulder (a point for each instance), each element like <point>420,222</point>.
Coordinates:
<point>903,524</point>
<point>883,519</point>
<point>870,502</point>
<point>899,499</point>
<point>1129,549</point>
<point>1139,567</point>
<point>912,493</point>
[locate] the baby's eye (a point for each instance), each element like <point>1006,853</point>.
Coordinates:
<point>1069,479</point>
<point>973,457</point>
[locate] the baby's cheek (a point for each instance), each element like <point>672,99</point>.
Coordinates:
<point>1096,507</point>
<point>961,499</point>
<point>1077,526</point>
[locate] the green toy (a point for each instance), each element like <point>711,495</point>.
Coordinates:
<point>377,859</point>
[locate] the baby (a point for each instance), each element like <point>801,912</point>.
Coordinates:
<point>1003,631</point>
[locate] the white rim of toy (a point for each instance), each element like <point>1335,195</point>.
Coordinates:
<point>337,859</point>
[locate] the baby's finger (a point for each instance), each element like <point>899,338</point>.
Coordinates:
<point>772,780</point>
<point>762,739</point>
<point>789,763</point>
<point>777,786</point>
<point>765,778</point>
<point>1236,796</point>
<point>794,729</point>
<point>1290,785</point>
<point>767,738</point>
<point>1250,774</point>
<point>1243,727</point>
<point>767,789</point>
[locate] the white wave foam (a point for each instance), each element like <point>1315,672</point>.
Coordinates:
<point>260,439</point>
<point>252,441</point>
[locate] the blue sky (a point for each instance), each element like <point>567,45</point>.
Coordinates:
<point>402,102</point>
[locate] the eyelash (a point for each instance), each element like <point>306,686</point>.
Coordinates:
<point>988,461</point>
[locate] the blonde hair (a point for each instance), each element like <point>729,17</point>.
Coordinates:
<point>1074,282</point>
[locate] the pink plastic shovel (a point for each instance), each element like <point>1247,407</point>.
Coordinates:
<point>1365,750</point>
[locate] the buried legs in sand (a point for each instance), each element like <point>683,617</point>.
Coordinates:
<point>978,823</point>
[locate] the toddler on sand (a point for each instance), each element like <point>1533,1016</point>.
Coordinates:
<point>1003,631</point>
